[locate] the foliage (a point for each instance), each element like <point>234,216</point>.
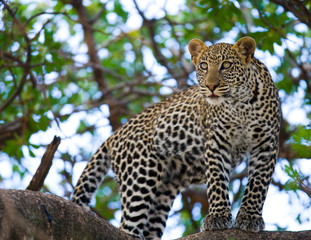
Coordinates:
<point>99,60</point>
<point>297,181</point>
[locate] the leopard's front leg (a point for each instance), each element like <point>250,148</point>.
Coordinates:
<point>217,174</point>
<point>261,167</point>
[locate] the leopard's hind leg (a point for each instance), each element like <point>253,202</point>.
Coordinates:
<point>159,210</point>
<point>138,189</point>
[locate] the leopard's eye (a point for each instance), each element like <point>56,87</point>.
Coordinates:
<point>226,65</point>
<point>203,65</point>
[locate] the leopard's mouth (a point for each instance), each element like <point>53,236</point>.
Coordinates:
<point>213,95</point>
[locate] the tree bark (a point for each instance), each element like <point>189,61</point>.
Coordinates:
<point>236,234</point>
<point>37,181</point>
<point>36,215</point>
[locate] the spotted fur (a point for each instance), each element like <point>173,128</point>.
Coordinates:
<point>197,136</point>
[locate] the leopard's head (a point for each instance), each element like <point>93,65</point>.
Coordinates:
<point>221,68</point>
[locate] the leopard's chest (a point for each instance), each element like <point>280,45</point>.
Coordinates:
<point>232,124</point>
<point>185,135</point>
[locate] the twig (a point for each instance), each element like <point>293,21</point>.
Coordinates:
<point>42,28</point>
<point>44,13</point>
<point>37,181</point>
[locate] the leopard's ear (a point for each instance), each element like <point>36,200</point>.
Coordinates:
<point>245,47</point>
<point>196,47</point>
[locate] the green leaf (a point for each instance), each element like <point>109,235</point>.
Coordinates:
<point>31,153</point>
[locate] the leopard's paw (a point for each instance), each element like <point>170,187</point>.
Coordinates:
<point>216,222</point>
<point>249,223</point>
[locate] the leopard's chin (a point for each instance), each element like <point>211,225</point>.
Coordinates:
<point>215,99</point>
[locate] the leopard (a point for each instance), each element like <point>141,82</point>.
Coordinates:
<point>195,137</point>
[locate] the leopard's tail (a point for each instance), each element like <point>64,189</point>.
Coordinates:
<point>92,176</point>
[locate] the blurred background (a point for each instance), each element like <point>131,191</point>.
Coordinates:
<point>80,69</point>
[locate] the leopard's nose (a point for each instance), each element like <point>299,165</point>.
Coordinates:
<point>212,87</point>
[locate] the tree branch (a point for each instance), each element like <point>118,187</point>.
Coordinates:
<point>10,130</point>
<point>298,8</point>
<point>90,42</point>
<point>262,17</point>
<point>25,65</point>
<point>150,24</point>
<point>94,60</point>
<point>37,181</point>
<point>34,215</point>
<point>241,235</point>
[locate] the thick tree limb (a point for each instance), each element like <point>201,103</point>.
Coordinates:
<point>35,215</point>
<point>37,181</point>
<point>241,235</point>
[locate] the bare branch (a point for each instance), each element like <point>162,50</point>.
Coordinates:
<point>37,181</point>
